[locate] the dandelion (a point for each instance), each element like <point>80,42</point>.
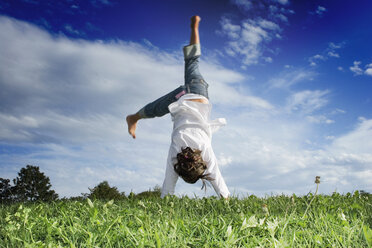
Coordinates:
<point>317,179</point>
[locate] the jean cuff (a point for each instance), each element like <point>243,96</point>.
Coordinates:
<point>141,113</point>
<point>191,51</point>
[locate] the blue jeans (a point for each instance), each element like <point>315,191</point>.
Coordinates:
<point>194,83</point>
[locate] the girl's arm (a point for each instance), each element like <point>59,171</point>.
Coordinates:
<point>171,177</point>
<point>218,183</point>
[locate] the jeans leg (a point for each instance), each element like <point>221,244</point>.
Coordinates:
<point>194,81</point>
<point>192,69</point>
<point>159,107</point>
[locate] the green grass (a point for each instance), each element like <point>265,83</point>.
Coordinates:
<point>330,221</point>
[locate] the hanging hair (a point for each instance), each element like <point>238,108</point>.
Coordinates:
<point>190,166</point>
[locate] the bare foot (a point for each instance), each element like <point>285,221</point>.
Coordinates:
<point>195,21</point>
<point>132,124</point>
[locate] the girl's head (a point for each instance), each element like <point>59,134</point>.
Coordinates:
<point>190,165</point>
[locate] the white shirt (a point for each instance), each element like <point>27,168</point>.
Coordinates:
<point>192,128</point>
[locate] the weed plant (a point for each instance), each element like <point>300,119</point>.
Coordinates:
<point>276,221</point>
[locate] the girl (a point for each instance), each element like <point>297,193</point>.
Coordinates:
<point>190,155</point>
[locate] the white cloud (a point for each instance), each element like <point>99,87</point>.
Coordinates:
<point>245,4</point>
<point>334,46</point>
<point>279,13</point>
<point>368,71</point>
<point>314,58</point>
<point>329,52</point>
<point>253,34</point>
<point>268,59</point>
<point>319,119</point>
<point>268,25</point>
<point>307,101</point>
<point>248,39</point>
<point>100,3</point>
<point>73,31</point>
<point>358,140</point>
<point>231,30</point>
<point>320,10</point>
<point>356,69</point>
<point>284,2</point>
<point>338,111</point>
<point>281,17</point>
<point>291,77</point>
<point>224,160</point>
<point>333,54</point>
<point>319,57</point>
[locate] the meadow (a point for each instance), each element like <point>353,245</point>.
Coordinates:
<point>273,221</point>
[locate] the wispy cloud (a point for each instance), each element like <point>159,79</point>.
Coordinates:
<point>356,68</point>
<point>319,11</point>
<point>329,52</point>
<point>100,3</point>
<point>320,119</point>
<point>73,31</point>
<point>357,141</point>
<point>284,2</point>
<point>313,60</point>
<point>291,77</point>
<point>307,101</point>
<point>368,71</point>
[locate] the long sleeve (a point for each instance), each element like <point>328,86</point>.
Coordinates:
<point>171,176</point>
<point>218,183</point>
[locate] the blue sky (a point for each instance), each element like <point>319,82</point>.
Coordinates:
<point>292,78</point>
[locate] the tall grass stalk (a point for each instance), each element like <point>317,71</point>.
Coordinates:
<point>317,181</point>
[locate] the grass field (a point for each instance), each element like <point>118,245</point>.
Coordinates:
<point>275,221</point>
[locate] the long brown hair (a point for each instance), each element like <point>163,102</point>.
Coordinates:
<point>190,166</point>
